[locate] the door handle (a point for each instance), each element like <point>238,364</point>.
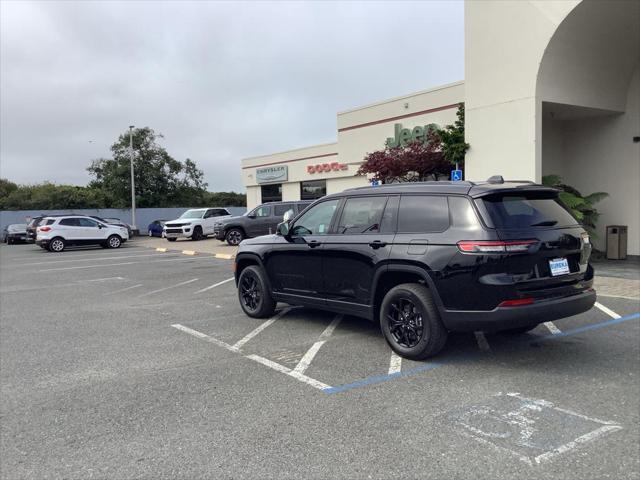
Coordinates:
<point>314,244</point>
<point>377,244</point>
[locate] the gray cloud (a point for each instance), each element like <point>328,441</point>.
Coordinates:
<point>221,81</point>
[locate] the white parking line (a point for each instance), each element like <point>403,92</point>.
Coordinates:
<point>552,328</point>
<point>256,358</point>
<point>606,310</point>
<point>395,364</point>
<point>311,353</point>
<point>215,285</point>
<point>181,259</point>
<point>168,288</point>
<point>96,258</point>
<point>482,342</point>
<point>260,328</point>
<point>104,279</point>
<point>123,289</point>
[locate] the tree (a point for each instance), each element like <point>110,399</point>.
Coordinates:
<point>581,207</point>
<point>415,162</point>
<point>160,180</point>
<point>6,188</point>
<point>454,148</point>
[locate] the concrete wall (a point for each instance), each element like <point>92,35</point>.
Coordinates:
<point>144,216</point>
<point>504,45</point>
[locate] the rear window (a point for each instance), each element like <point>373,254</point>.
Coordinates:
<point>510,211</point>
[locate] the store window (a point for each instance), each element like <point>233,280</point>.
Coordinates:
<point>313,189</point>
<point>272,193</point>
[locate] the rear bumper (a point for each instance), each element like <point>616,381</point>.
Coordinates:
<point>505,318</point>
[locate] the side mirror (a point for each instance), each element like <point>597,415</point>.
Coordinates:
<point>251,216</point>
<point>100,226</point>
<point>288,215</point>
<point>283,229</point>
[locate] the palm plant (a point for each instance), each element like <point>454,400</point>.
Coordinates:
<point>582,207</point>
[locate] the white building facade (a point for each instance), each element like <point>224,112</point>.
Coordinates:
<point>550,88</point>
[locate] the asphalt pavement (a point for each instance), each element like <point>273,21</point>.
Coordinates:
<point>133,363</point>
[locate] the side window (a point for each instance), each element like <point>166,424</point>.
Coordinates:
<point>423,214</point>
<point>361,215</point>
<point>463,216</point>
<point>317,220</point>
<point>50,221</point>
<point>280,210</point>
<point>303,205</point>
<point>389,221</point>
<point>69,222</point>
<point>263,211</point>
<point>85,222</point>
<point>209,214</point>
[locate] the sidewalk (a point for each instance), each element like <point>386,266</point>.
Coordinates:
<point>208,246</point>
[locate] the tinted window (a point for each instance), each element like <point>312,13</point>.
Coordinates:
<point>535,209</point>
<point>279,210</point>
<point>463,216</point>
<point>69,222</point>
<point>313,189</point>
<point>362,215</point>
<point>423,214</point>
<point>85,222</point>
<point>389,220</point>
<point>271,193</point>
<point>316,221</point>
<point>262,211</point>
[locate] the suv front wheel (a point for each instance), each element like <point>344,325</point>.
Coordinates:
<point>411,323</point>
<point>234,236</point>
<point>254,294</point>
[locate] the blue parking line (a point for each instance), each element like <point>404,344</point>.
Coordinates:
<point>381,378</point>
<point>433,365</point>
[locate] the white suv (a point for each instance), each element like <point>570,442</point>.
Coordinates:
<point>55,233</point>
<point>195,224</point>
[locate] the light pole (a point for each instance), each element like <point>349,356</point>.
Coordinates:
<point>133,185</point>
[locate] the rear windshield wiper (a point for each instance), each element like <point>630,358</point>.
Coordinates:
<point>547,223</point>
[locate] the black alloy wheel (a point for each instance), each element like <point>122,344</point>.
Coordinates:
<point>405,322</point>
<point>410,321</point>
<point>254,294</point>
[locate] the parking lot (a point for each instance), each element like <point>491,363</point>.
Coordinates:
<point>136,363</point>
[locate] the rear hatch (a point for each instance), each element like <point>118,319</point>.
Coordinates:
<point>556,261</point>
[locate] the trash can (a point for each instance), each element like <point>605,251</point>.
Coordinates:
<point>616,242</point>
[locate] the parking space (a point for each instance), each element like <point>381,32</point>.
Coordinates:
<point>133,362</point>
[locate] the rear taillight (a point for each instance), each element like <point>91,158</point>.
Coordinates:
<point>490,246</point>
<point>44,229</point>
<point>517,302</point>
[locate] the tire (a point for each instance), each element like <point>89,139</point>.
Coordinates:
<point>234,236</point>
<point>410,322</point>
<point>114,241</point>
<point>254,293</point>
<point>171,239</point>
<point>519,330</point>
<point>197,234</point>
<point>57,245</point>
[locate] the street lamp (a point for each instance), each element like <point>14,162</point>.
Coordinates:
<point>133,185</point>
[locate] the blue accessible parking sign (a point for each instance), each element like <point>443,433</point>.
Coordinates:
<point>456,175</point>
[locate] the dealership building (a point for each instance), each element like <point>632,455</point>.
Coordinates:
<point>549,88</point>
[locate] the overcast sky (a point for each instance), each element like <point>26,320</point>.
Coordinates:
<point>221,81</point>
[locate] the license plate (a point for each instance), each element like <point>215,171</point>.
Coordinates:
<point>559,266</point>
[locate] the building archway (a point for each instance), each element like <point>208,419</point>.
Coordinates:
<point>588,102</point>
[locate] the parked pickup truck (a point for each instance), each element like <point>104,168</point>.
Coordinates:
<point>262,220</point>
<point>195,224</point>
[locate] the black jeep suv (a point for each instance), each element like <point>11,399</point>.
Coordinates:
<point>424,259</point>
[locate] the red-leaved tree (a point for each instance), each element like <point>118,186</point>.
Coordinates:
<point>416,162</point>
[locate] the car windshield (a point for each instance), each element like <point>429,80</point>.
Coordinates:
<point>193,214</point>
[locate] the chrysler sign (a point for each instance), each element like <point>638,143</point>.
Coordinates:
<point>278,173</point>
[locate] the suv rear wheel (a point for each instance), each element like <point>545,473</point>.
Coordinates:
<point>411,323</point>
<point>56,245</point>
<point>254,294</point>
<point>234,236</point>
